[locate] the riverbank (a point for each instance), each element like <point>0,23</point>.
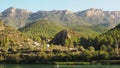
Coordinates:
<point>55,66</point>
<point>99,62</point>
<point>72,63</point>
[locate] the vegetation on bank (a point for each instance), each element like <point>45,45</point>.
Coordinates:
<point>15,48</point>
<point>72,63</point>
<point>54,54</point>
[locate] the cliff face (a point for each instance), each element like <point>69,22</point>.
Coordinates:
<point>15,12</point>
<point>91,12</point>
<point>15,17</point>
<point>99,12</point>
<point>0,14</point>
<point>113,14</point>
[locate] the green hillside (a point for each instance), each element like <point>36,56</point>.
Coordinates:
<point>8,35</point>
<point>110,38</point>
<point>88,30</point>
<point>44,29</point>
<point>108,41</point>
<point>11,39</point>
<point>41,28</point>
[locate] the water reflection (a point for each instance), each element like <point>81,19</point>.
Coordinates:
<point>56,66</point>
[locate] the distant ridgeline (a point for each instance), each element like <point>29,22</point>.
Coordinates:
<point>19,18</point>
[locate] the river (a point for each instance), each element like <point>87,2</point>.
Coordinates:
<point>56,66</point>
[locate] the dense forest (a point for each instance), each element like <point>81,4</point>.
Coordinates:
<point>33,44</point>
<point>41,29</point>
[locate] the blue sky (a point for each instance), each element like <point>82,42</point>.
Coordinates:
<point>73,5</point>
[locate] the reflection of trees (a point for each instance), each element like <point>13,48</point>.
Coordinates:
<point>18,66</point>
<point>2,66</point>
<point>10,66</point>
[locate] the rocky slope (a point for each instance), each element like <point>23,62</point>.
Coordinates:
<point>11,37</point>
<point>18,18</point>
<point>15,17</point>
<point>61,37</point>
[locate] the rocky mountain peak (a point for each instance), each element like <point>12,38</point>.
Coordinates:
<point>113,14</point>
<point>67,12</point>
<point>12,11</point>
<point>92,12</point>
<point>9,12</point>
<point>61,12</point>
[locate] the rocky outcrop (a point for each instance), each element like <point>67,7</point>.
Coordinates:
<point>60,38</point>
<point>91,12</point>
<point>9,12</point>
<point>0,14</point>
<point>113,14</point>
<point>15,12</point>
<point>15,17</point>
<point>99,13</point>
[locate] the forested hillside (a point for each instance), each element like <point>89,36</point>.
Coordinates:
<point>47,29</point>
<point>109,41</point>
<point>41,29</point>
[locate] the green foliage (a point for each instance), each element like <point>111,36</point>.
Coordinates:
<point>101,47</point>
<point>108,42</point>
<point>69,43</point>
<point>103,55</point>
<point>41,29</point>
<point>1,58</point>
<point>72,63</point>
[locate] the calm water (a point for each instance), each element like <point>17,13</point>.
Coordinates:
<point>56,66</point>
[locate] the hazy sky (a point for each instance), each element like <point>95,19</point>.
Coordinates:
<point>73,5</point>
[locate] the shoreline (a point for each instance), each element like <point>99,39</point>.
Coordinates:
<point>100,62</point>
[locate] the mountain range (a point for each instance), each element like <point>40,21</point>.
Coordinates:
<point>49,36</point>
<point>19,18</point>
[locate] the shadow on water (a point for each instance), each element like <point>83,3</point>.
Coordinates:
<point>56,66</point>
<point>25,66</point>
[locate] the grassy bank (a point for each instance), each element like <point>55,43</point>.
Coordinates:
<point>100,62</point>
<point>107,62</point>
<point>72,63</point>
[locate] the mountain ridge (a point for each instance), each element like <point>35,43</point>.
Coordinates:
<point>19,18</point>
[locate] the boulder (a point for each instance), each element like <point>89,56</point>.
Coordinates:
<point>60,38</point>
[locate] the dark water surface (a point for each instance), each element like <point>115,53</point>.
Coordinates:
<point>56,66</point>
